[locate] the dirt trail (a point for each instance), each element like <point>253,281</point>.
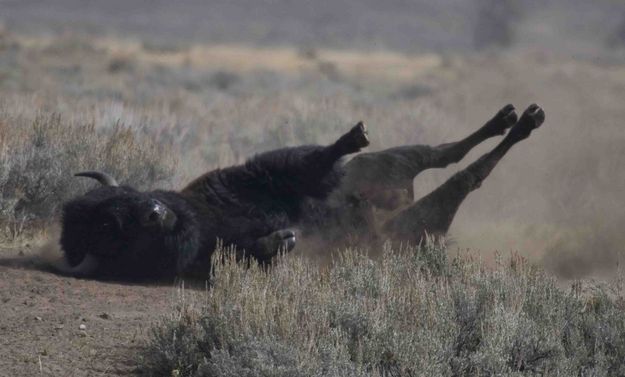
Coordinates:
<point>41,316</point>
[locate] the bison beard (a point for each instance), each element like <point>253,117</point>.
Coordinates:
<point>118,231</point>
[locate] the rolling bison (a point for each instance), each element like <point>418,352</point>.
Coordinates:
<point>118,231</point>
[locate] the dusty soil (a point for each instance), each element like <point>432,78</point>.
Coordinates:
<point>41,314</point>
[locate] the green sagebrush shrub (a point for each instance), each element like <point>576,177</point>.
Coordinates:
<point>410,312</point>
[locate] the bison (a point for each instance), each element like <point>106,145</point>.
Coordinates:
<point>118,231</point>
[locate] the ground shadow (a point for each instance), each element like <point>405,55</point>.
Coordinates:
<point>35,263</point>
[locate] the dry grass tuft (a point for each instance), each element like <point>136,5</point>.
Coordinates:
<point>415,312</point>
<point>39,157</point>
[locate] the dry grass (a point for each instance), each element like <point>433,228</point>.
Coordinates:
<point>39,156</point>
<point>412,313</point>
<point>381,65</point>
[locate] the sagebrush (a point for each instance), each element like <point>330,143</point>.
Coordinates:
<point>38,158</point>
<point>410,312</point>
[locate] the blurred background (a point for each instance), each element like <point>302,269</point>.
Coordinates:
<point>575,27</point>
<point>158,92</point>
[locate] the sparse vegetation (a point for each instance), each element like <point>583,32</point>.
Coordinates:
<point>413,312</point>
<point>39,156</point>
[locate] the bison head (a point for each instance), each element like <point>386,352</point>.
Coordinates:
<point>119,231</point>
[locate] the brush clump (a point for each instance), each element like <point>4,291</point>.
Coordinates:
<point>414,311</point>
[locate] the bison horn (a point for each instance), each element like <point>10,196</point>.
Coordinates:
<point>103,178</point>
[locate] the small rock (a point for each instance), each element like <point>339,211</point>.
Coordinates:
<point>104,316</point>
<point>82,327</point>
<point>83,334</point>
<point>39,319</point>
<point>59,327</point>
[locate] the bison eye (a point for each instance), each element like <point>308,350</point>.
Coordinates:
<point>110,222</point>
<point>108,225</point>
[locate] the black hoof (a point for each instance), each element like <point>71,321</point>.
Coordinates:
<point>532,118</point>
<point>355,139</point>
<point>278,241</point>
<point>360,135</point>
<point>504,119</point>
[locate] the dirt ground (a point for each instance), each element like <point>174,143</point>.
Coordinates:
<point>52,325</point>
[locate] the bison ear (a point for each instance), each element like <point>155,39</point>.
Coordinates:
<point>103,178</point>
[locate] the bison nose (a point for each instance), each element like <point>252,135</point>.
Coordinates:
<point>156,214</point>
<point>152,216</point>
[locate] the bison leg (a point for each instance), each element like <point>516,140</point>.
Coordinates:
<point>308,171</point>
<point>434,213</point>
<point>352,142</point>
<point>379,175</point>
<point>288,173</point>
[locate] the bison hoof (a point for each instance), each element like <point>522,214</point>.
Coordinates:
<point>532,118</point>
<point>360,135</point>
<point>355,139</point>
<point>272,244</point>
<point>504,119</point>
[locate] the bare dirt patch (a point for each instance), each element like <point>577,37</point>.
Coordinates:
<point>58,326</point>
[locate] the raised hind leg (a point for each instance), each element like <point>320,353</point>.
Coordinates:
<point>310,170</point>
<point>383,177</point>
<point>434,213</point>
<point>292,173</point>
